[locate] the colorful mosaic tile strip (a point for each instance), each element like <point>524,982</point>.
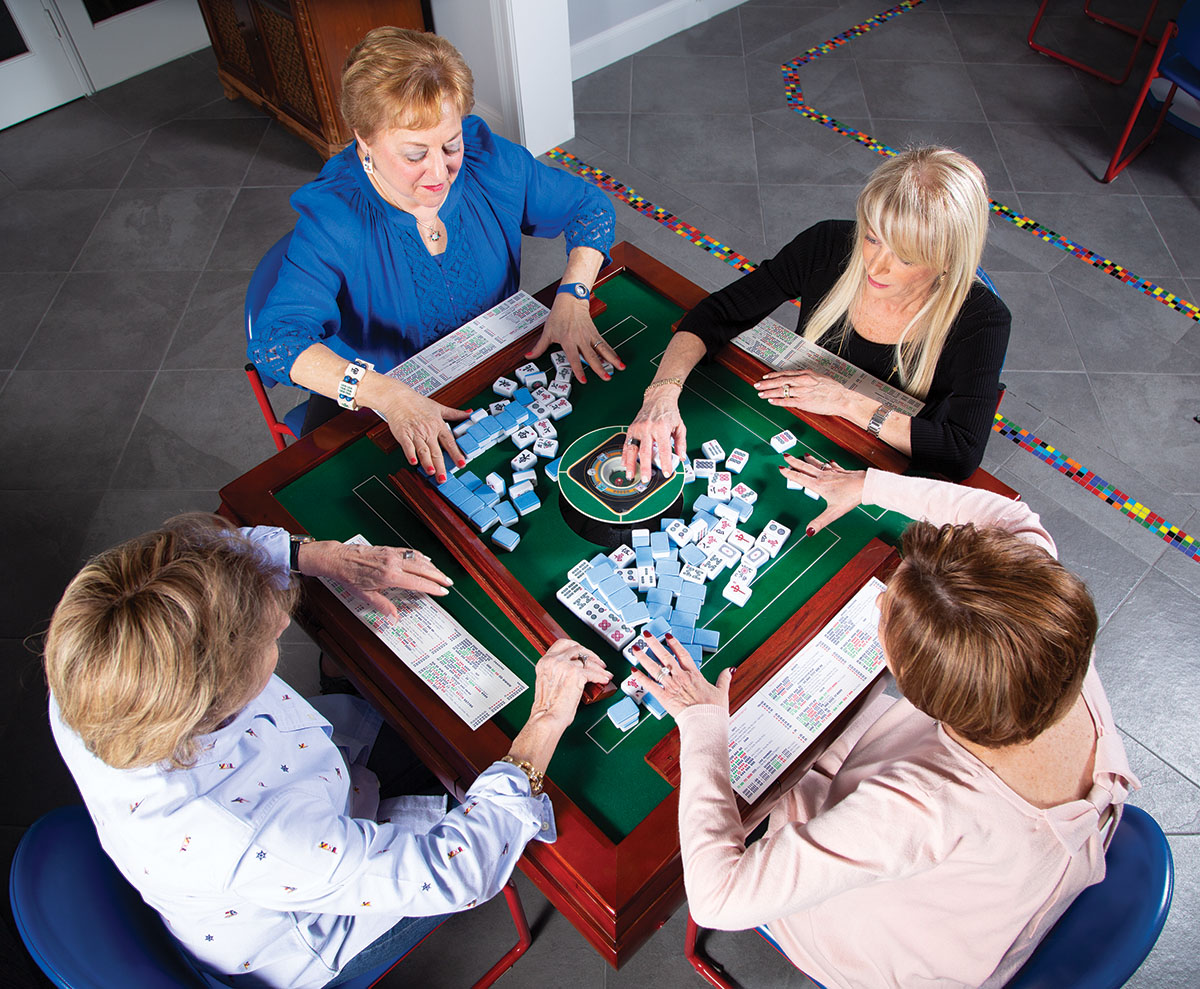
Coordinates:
<point>669,220</point>
<point>794,96</point>
<point>1090,481</point>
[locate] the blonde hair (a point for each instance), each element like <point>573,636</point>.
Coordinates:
<point>398,78</point>
<point>985,632</point>
<point>930,207</point>
<point>161,638</point>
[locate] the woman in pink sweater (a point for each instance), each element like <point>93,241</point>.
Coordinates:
<point>940,838</point>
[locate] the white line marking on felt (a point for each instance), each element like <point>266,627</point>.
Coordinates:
<point>615,326</point>
<point>454,591</point>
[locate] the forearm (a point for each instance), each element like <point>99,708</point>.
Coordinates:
<point>683,353</point>
<point>536,742</point>
<point>897,427</point>
<point>583,265</point>
<point>320,370</point>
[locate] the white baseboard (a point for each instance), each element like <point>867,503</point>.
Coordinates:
<point>642,31</point>
<point>492,117</point>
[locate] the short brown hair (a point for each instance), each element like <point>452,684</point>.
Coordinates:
<point>158,640</point>
<point>397,78</point>
<point>985,632</point>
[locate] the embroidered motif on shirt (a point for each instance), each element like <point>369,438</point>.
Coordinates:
<point>261,855</point>
<point>285,769</point>
<point>471,807</point>
<point>304,745</point>
<point>239,800</point>
<point>208,937</point>
<point>224,765</point>
<point>134,806</point>
<point>289,889</point>
<point>261,783</point>
<point>424,887</point>
<point>230,913</point>
<point>366,903</point>
<point>250,732</point>
<point>456,851</point>
<point>505,852</point>
<point>187,840</point>
<point>327,847</point>
<point>286,697</point>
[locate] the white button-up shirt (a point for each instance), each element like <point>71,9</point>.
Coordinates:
<point>271,857</point>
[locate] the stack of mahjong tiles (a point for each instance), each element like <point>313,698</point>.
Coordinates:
<point>661,581</point>
<point>781,443</point>
<point>526,414</point>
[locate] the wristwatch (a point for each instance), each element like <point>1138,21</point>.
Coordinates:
<point>577,289</point>
<point>294,550</point>
<point>878,418</point>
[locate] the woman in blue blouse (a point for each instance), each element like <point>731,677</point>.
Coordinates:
<point>412,231</point>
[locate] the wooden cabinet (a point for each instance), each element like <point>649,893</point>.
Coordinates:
<point>286,55</point>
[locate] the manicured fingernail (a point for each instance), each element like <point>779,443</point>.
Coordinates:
<point>646,633</point>
<point>669,636</point>
<point>782,469</point>
<point>468,411</point>
<point>441,478</point>
<point>810,531</point>
<point>732,670</point>
<point>412,461</point>
<point>636,647</point>
<point>462,463</point>
<point>530,354</point>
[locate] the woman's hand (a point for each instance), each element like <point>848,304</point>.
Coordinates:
<point>658,423</point>
<point>420,427</point>
<point>562,673</point>
<point>368,570</point>
<point>841,489</point>
<point>678,681</point>
<point>806,391</point>
<point>570,326</point>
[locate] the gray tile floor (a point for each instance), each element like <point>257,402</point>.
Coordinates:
<point>130,221</point>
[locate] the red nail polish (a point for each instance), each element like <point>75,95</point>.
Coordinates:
<point>669,636</point>
<point>441,478</point>
<point>462,463</point>
<point>810,531</point>
<point>646,633</point>
<point>412,461</point>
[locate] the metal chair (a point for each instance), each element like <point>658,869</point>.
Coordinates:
<point>1140,34</point>
<point>87,928</point>
<point>1178,61</point>
<point>1103,937</point>
<point>261,283</point>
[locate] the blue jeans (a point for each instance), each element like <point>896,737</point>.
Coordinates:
<point>393,944</point>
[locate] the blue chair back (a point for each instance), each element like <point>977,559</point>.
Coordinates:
<point>988,283</point>
<point>1110,928</point>
<point>261,283</point>
<point>84,925</point>
<point>1181,62</point>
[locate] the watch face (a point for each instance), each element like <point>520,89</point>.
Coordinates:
<point>581,292</point>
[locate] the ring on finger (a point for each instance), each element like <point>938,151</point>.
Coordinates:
<point>787,391</point>
<point>408,554</point>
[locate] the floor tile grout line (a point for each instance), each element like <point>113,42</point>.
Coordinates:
<point>1175,769</point>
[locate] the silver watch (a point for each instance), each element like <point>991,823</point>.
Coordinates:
<point>878,418</point>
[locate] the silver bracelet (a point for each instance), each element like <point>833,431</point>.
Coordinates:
<point>877,420</point>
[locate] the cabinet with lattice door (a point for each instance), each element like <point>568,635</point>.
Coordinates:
<point>286,55</point>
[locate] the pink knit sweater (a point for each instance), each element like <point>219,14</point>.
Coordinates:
<point>901,860</point>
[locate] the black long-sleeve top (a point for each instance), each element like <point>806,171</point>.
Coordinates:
<point>949,434</point>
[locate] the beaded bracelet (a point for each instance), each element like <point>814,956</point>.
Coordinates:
<point>536,777</point>
<point>663,381</point>
<point>348,386</point>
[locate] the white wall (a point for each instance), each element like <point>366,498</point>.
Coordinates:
<point>603,33</point>
<point>467,24</point>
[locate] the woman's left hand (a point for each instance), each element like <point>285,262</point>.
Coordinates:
<point>804,390</point>
<point>368,570</point>
<point>570,326</point>
<point>678,681</point>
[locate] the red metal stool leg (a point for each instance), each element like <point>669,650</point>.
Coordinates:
<point>1140,35</point>
<point>700,962</point>
<point>524,938</point>
<point>1117,164</point>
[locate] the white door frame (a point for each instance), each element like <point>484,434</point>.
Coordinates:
<point>46,76</point>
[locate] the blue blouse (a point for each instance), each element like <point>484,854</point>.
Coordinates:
<point>358,278</point>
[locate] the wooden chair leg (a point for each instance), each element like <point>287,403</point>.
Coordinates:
<point>524,938</point>
<point>707,969</point>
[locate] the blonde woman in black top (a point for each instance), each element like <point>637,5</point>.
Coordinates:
<point>893,292</point>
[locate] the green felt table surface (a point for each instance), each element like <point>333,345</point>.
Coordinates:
<point>599,767</point>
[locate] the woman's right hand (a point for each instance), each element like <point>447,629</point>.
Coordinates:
<point>657,423</point>
<point>420,427</point>
<point>842,489</point>
<point>562,673</point>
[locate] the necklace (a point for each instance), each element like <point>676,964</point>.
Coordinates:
<point>434,233</point>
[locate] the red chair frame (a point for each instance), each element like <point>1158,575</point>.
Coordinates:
<point>1141,34</point>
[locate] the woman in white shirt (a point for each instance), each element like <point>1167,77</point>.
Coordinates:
<point>241,812</point>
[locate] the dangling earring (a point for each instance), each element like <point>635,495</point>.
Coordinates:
<point>368,165</point>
